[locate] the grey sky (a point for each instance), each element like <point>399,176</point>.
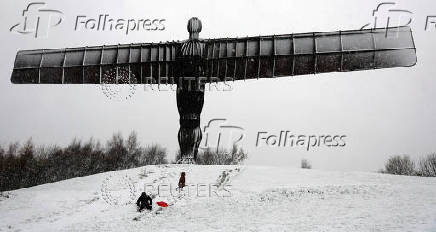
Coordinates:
<point>382,112</point>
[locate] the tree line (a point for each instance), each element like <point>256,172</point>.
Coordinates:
<point>26,165</point>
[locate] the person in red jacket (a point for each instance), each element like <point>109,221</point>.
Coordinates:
<point>182,180</point>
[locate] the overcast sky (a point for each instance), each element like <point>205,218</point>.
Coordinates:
<point>382,112</point>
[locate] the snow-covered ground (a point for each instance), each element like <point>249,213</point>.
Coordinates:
<point>226,198</point>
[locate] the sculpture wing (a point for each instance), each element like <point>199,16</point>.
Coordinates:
<point>117,64</point>
<point>309,53</point>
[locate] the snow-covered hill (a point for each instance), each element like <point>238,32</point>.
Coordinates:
<point>226,198</point>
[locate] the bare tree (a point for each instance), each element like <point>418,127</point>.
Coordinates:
<point>427,165</point>
<point>155,154</point>
<point>400,165</point>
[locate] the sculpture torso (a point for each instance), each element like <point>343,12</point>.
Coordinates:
<point>190,92</point>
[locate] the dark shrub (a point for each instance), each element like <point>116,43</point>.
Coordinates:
<point>400,165</point>
<point>305,164</point>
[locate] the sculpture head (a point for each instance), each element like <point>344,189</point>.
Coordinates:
<point>194,27</point>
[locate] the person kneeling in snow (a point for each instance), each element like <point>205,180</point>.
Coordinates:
<point>144,201</point>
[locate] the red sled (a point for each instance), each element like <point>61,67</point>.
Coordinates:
<point>162,204</point>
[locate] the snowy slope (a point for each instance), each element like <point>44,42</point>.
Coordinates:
<point>226,198</point>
